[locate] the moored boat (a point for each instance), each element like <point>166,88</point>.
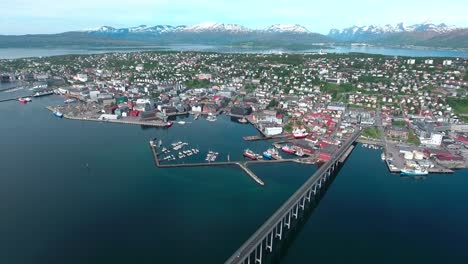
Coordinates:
<point>22,101</point>
<point>288,149</point>
<point>267,155</point>
<point>249,154</point>
<point>169,124</point>
<point>58,114</point>
<point>414,172</point>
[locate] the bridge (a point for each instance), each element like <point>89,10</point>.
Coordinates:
<point>274,229</point>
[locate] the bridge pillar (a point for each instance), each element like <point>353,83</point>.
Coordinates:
<point>259,259</point>
<point>302,201</point>
<point>288,224</point>
<point>270,246</point>
<point>315,189</point>
<point>295,209</point>
<point>309,193</point>
<point>280,234</point>
<point>320,183</point>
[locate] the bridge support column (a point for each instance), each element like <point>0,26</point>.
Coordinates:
<point>294,211</point>
<point>302,201</point>
<point>320,183</point>
<point>269,246</point>
<point>297,209</point>
<point>309,193</point>
<point>315,189</point>
<point>280,234</point>
<point>288,224</point>
<point>259,259</point>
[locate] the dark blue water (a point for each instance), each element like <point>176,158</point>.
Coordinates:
<point>371,216</point>
<point>121,209</point>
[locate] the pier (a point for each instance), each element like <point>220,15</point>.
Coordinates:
<point>263,240</point>
<point>242,164</point>
<point>118,121</point>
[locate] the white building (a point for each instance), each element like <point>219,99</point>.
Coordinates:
<point>447,62</point>
<point>272,131</point>
<point>434,140</point>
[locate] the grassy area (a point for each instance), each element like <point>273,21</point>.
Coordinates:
<point>195,83</point>
<point>399,123</point>
<point>460,106</point>
<point>413,139</point>
<point>372,132</point>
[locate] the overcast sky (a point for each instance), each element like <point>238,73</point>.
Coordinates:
<point>52,16</point>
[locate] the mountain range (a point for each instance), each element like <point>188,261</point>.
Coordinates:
<point>274,36</point>
<point>425,34</point>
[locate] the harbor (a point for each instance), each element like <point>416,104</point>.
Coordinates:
<point>210,161</point>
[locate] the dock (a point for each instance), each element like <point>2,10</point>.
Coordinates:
<point>262,137</point>
<point>118,121</point>
<point>242,164</point>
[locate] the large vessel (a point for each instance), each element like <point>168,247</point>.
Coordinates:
<point>58,114</point>
<point>414,171</point>
<point>288,149</point>
<point>43,93</point>
<point>249,154</point>
<point>300,133</point>
<point>24,100</point>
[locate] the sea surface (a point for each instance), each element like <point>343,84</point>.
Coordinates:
<point>14,53</point>
<point>87,192</point>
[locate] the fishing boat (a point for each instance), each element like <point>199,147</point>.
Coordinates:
<point>58,114</point>
<point>414,171</point>
<point>267,155</point>
<point>288,149</point>
<point>250,154</point>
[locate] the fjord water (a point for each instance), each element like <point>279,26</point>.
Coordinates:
<point>85,192</point>
<point>369,215</point>
<point>15,53</point>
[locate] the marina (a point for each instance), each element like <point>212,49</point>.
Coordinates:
<point>211,160</point>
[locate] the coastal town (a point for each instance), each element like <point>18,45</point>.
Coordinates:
<point>414,109</point>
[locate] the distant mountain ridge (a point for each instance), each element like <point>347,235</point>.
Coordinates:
<point>289,36</point>
<point>424,34</point>
<point>201,28</point>
<point>356,32</point>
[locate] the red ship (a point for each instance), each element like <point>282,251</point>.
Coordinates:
<point>287,149</point>
<point>249,154</point>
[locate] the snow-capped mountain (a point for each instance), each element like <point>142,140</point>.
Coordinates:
<point>208,27</point>
<point>159,29</point>
<point>216,27</point>
<point>364,32</point>
<point>287,28</point>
